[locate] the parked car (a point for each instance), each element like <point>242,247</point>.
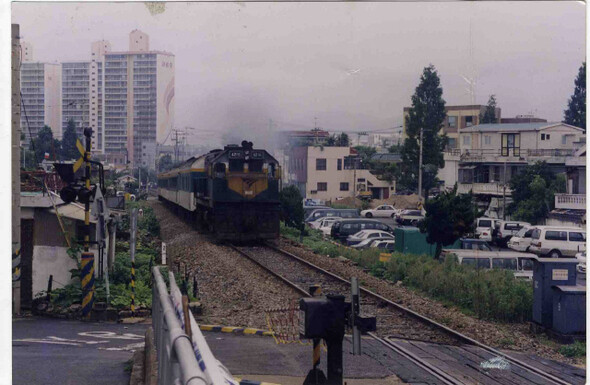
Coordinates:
<point>504,230</point>
<point>409,217</point>
<point>383,211</point>
<point>522,240</point>
<point>364,235</point>
<point>474,244</point>
<point>384,244</point>
<point>343,228</point>
<point>557,242</point>
<point>309,209</point>
<point>342,213</point>
<point>581,267</point>
<point>520,263</point>
<point>483,228</point>
<point>325,225</point>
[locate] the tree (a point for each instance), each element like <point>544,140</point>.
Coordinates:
<point>69,151</point>
<point>165,163</point>
<point>45,143</point>
<point>448,217</point>
<point>489,115</point>
<point>365,153</point>
<point>343,140</point>
<point>292,207</point>
<point>575,114</point>
<point>533,192</point>
<point>427,113</point>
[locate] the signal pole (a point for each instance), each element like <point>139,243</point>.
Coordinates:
<point>87,260</point>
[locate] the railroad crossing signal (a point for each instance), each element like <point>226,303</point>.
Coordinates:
<point>80,160</point>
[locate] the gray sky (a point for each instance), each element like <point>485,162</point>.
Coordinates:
<point>354,66</point>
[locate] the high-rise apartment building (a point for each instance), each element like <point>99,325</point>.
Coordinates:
<point>41,96</point>
<point>139,99</point>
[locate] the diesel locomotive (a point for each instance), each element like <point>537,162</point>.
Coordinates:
<point>233,193</point>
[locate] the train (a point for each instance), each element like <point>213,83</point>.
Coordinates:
<point>232,193</point>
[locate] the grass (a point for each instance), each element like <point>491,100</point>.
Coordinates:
<point>488,294</point>
<point>575,350</point>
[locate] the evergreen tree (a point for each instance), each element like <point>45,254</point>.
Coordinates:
<point>427,113</point>
<point>165,163</point>
<point>45,143</point>
<point>292,207</point>
<point>533,192</point>
<point>69,151</point>
<point>575,114</point>
<point>343,140</point>
<point>489,116</point>
<point>448,217</point>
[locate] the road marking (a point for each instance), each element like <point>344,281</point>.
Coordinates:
<point>111,335</point>
<point>130,347</point>
<point>43,341</point>
<point>80,341</point>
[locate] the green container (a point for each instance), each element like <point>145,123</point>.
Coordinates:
<point>410,240</point>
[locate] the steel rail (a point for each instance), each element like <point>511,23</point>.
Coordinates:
<point>433,370</point>
<point>431,322</point>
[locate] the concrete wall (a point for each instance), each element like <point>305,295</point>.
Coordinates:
<point>51,260</point>
<point>450,173</point>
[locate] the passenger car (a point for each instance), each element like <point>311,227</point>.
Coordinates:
<point>342,213</point>
<point>522,240</point>
<point>557,242</point>
<point>520,263</point>
<point>383,211</point>
<point>581,267</point>
<point>343,228</point>
<point>409,217</point>
<point>363,237</point>
<point>483,228</point>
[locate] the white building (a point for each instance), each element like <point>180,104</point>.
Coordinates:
<point>41,97</point>
<point>489,155</point>
<point>139,99</point>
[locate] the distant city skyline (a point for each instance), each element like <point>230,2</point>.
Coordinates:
<point>353,66</point>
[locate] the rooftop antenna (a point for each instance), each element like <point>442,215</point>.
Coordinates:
<point>471,79</point>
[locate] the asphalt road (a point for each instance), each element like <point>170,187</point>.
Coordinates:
<point>53,351</point>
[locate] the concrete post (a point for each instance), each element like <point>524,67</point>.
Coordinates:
<point>15,144</point>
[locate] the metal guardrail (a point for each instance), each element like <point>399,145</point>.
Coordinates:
<point>182,360</point>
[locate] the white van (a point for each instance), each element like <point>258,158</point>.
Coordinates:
<point>522,240</point>
<point>484,228</point>
<point>557,242</point>
<point>521,264</point>
<point>504,230</point>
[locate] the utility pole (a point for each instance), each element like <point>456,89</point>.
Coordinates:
<point>504,194</point>
<point>16,132</point>
<point>420,166</point>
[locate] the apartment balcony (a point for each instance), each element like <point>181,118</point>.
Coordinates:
<point>512,155</point>
<point>496,189</point>
<point>570,201</point>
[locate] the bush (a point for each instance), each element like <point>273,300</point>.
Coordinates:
<point>490,294</point>
<point>577,349</point>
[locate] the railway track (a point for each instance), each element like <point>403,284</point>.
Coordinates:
<point>394,321</point>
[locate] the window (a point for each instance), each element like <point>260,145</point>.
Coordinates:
<point>320,164</point>
<point>564,139</point>
<point>504,263</point>
<point>339,164</point>
<point>469,121</point>
<point>542,136</point>
<point>487,139</point>
<point>484,223</point>
<point>556,235</point>
<point>526,264</point>
<point>577,237</point>
<point>483,263</point>
<point>548,136</point>
<point>322,186</point>
<point>452,143</point>
<point>467,140</point>
<point>344,186</point>
<point>510,141</point>
<point>452,120</point>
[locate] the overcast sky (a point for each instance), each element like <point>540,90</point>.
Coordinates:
<point>354,66</point>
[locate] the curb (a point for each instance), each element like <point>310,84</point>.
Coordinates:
<point>235,330</point>
<point>251,382</point>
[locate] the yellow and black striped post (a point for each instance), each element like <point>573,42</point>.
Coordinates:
<point>87,277</point>
<point>87,260</point>
<point>132,236</point>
